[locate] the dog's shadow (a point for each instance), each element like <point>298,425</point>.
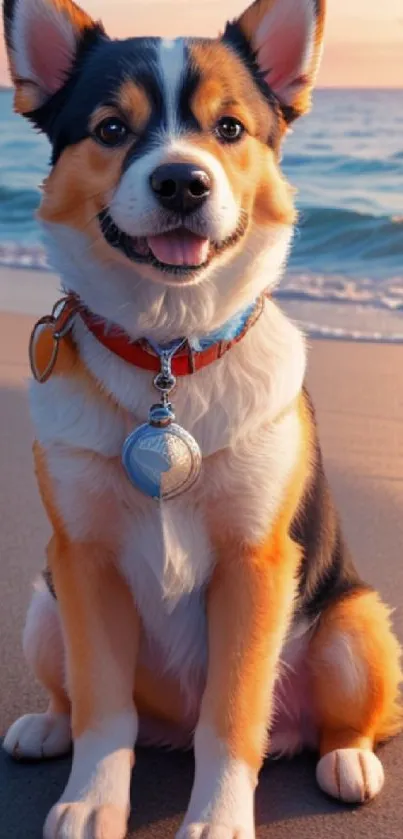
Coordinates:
<point>162,781</point>
<point>162,784</point>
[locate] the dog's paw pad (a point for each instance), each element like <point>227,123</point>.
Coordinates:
<point>200,830</point>
<point>82,820</point>
<point>351,775</point>
<point>39,736</point>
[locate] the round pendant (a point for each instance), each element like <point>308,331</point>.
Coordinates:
<point>162,462</point>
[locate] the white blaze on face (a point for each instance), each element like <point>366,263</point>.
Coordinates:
<point>171,65</point>
<point>135,208</point>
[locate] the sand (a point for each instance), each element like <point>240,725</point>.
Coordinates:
<point>359,397</point>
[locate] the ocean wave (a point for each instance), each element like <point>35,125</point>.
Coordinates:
<point>314,330</point>
<point>341,241</point>
<point>14,255</point>
<point>384,294</point>
<point>343,164</point>
<point>320,217</point>
<point>17,204</point>
<point>387,295</point>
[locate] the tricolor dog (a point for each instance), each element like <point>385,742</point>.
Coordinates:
<point>198,588</point>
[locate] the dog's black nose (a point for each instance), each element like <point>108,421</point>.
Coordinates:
<point>180,187</point>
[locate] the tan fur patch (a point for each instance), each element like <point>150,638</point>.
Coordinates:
<point>99,618</point>
<point>355,664</point>
<point>135,104</point>
<point>78,17</point>
<point>79,187</point>
<point>259,582</point>
<point>83,180</point>
<point>158,696</point>
<point>27,97</point>
<point>251,166</point>
<point>132,103</point>
<point>226,88</point>
<point>46,492</point>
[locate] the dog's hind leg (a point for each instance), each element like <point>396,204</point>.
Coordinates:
<point>37,736</point>
<point>354,660</point>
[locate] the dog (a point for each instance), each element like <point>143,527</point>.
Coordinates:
<point>197,588</point>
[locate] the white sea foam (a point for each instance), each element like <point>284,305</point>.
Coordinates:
<point>325,306</point>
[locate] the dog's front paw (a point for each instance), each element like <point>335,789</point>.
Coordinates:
<point>204,830</point>
<point>352,775</point>
<point>39,736</point>
<point>82,820</point>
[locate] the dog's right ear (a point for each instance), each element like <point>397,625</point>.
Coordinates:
<point>44,39</point>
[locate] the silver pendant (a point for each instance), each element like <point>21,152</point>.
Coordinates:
<point>160,458</point>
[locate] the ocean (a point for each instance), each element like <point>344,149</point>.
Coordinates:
<point>345,274</point>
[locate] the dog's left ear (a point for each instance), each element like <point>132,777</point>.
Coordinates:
<point>284,40</point>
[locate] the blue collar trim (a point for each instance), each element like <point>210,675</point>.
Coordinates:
<point>229,331</point>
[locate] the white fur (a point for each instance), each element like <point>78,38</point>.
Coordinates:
<point>43,621</point>
<point>168,570</point>
<point>136,210</point>
<point>251,386</point>
<point>143,307</point>
<point>172,65</point>
<point>222,798</point>
<point>100,778</point>
<point>36,736</point>
<point>339,657</point>
<point>293,718</point>
<point>351,775</point>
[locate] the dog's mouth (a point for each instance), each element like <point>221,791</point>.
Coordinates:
<point>178,251</point>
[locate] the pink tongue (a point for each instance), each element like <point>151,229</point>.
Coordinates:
<point>179,247</point>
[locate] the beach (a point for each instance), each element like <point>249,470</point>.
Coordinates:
<point>359,399</point>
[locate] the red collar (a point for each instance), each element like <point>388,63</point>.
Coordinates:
<point>138,353</point>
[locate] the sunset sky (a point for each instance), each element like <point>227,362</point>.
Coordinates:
<point>364,44</point>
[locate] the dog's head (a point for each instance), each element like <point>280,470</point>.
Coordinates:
<point>165,188</point>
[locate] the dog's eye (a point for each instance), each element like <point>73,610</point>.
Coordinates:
<point>229,129</point>
<point>111,131</point>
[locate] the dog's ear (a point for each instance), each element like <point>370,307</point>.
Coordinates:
<point>44,39</point>
<point>284,40</point>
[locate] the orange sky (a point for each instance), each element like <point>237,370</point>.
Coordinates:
<point>364,43</point>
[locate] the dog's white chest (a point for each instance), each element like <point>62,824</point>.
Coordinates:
<point>167,559</point>
<point>249,453</point>
<point>168,553</point>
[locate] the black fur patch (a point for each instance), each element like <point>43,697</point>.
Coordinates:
<point>99,72</point>
<point>159,117</point>
<point>328,572</point>
<point>8,13</point>
<point>101,67</point>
